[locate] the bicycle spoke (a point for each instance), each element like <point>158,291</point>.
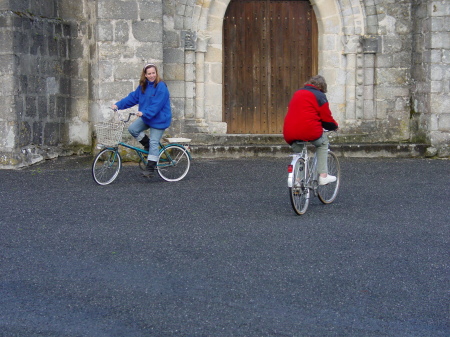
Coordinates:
<point>327,193</point>
<point>173,163</point>
<point>299,192</point>
<point>106,166</point>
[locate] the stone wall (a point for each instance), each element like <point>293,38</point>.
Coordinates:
<point>128,34</point>
<point>44,82</point>
<point>430,98</point>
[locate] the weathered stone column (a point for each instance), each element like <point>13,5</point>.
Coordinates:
<point>350,50</point>
<point>202,43</point>
<point>369,48</point>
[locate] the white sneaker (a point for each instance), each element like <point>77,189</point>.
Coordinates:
<point>328,179</point>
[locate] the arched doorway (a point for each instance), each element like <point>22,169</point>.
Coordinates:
<point>269,51</point>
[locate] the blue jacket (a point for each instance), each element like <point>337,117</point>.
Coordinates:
<point>154,104</point>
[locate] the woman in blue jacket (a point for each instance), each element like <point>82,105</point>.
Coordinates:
<point>154,113</point>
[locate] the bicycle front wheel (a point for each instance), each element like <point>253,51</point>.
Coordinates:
<point>173,163</point>
<point>327,193</point>
<point>299,192</point>
<point>106,166</point>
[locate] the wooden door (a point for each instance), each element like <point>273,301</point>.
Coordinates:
<point>269,51</point>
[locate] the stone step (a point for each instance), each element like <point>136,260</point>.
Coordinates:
<point>258,145</point>
<point>385,150</point>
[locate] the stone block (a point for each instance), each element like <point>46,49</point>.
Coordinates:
<point>174,72</point>
<point>368,92</point>
<point>8,64</point>
<point>53,46</point>
<point>79,88</point>
<point>52,134</point>
<point>42,107</point>
<point>392,76</point>
<point>214,73</point>
<point>105,30</point>
<point>61,107</point>
<point>127,70</point>
<point>113,51</point>
<point>76,48</point>
<point>176,89</point>
<point>213,93</point>
<point>189,91</point>
<point>64,86</point>
<point>440,104</point>
<point>147,31</point>
<point>71,10</point>
<point>440,40</point>
<point>189,110</point>
<point>437,72</point>
<point>391,45</point>
<point>37,133</point>
<point>387,92</point>
<point>114,91</point>
<point>105,70</point>
<point>174,56</point>
<point>214,54</point>
<point>436,56</point>
<point>171,39</point>
<point>121,32</point>
<point>150,10</point>
<point>177,107</point>
<point>401,59</point>
<point>117,10</point>
<point>24,132</point>
<point>79,132</point>
<point>150,51</point>
<point>51,106</point>
<point>384,61</point>
<point>440,8</point>
<point>436,86</point>
<point>8,87</point>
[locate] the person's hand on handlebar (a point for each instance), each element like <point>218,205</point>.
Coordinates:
<point>114,107</point>
<point>139,114</point>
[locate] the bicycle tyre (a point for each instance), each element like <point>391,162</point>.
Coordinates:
<point>299,192</point>
<point>106,166</point>
<point>173,163</point>
<point>328,193</point>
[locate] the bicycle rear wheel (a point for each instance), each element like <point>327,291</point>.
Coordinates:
<point>106,166</point>
<point>299,192</point>
<point>327,193</point>
<point>173,163</point>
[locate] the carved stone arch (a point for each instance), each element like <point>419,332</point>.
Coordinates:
<point>341,25</point>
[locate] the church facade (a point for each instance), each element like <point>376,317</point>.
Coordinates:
<point>230,65</point>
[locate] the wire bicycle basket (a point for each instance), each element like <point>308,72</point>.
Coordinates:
<point>110,133</point>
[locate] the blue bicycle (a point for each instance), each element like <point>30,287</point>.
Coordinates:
<point>174,158</point>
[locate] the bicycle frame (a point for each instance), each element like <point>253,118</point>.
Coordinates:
<point>143,153</point>
<point>310,168</point>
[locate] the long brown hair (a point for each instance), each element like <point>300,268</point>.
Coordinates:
<point>143,80</point>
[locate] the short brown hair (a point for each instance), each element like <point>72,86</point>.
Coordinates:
<point>319,82</point>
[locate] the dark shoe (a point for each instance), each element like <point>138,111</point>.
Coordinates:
<point>149,169</point>
<point>145,142</point>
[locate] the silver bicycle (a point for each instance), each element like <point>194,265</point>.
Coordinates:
<point>303,179</point>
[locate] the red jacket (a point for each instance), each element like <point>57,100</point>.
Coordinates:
<point>308,114</point>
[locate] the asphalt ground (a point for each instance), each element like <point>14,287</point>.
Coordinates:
<point>222,253</point>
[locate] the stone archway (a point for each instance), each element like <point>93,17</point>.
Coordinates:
<point>341,24</point>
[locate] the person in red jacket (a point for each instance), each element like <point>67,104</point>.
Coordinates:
<point>307,117</point>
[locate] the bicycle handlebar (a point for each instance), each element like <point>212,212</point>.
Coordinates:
<point>120,115</point>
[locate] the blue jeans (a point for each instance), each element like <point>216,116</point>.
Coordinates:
<point>137,128</point>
